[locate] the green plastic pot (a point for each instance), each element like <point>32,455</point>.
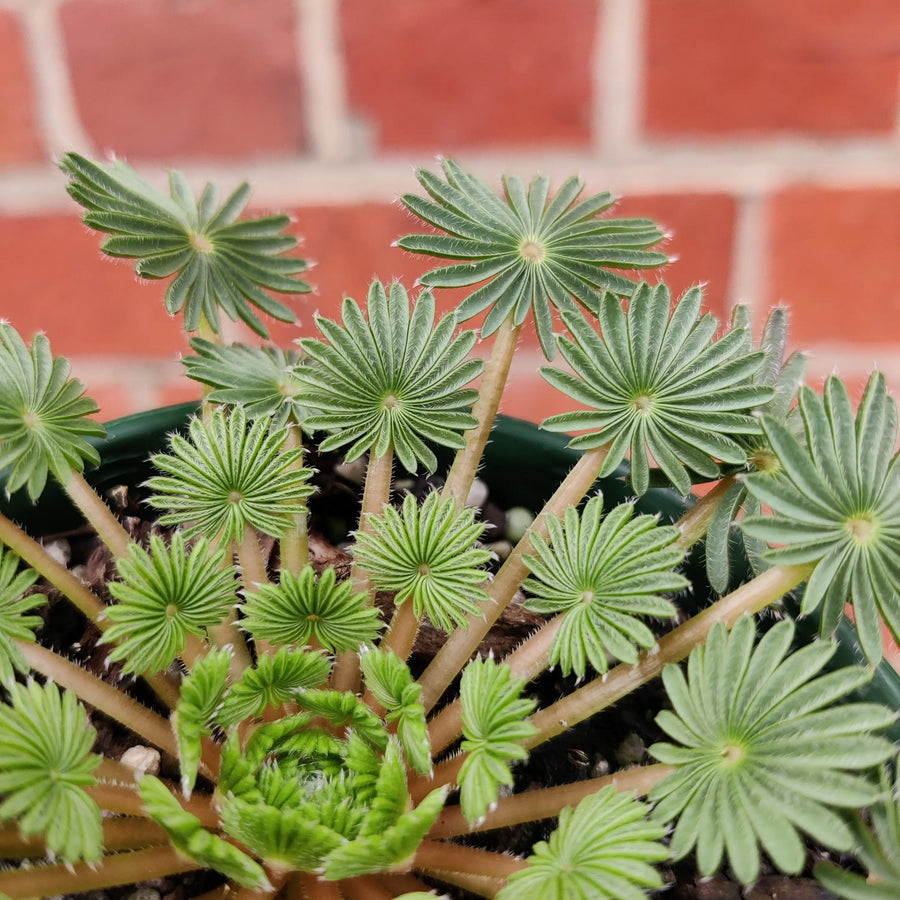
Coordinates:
<point>522,466</point>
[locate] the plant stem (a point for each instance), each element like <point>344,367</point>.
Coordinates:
<point>461,644</point>
<point>546,803</point>
<point>466,866</point>
<point>364,887</point>
<point>400,882</point>
<point>490,391</point>
<point>118,834</point>
<point>253,567</point>
<point>748,599</point>
<point>694,524</point>
<point>294,546</point>
<point>403,630</point>
<point>316,888</point>
<point>376,495</point>
<point>117,869</point>
<point>107,526</point>
<point>127,801</point>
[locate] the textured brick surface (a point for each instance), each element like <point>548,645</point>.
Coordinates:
<point>170,78</point>
<point>55,280</point>
<point>482,73</point>
<point>753,66</point>
<point>834,262</point>
<point>19,140</point>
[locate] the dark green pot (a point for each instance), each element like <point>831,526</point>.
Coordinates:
<point>523,466</point>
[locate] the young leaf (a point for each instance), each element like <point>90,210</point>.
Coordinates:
<point>228,478</point>
<point>14,624</point>
<point>301,608</point>
<point>275,680</point>
<point>392,380</point>
<point>192,841</point>
<point>390,681</point>
<point>43,415</point>
<point>261,379</point>
<point>659,385</point>
<point>602,575</point>
<point>835,502</point>
<point>345,708</point>
<point>45,764</point>
<point>530,250</point>
<point>425,554</point>
<point>759,733</point>
<point>495,720</point>
<point>218,262</point>
<point>164,596</point>
<point>200,697</point>
<point>601,850</point>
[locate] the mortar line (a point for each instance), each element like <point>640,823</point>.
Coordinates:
<point>618,77</point>
<point>322,78</point>
<point>748,279</point>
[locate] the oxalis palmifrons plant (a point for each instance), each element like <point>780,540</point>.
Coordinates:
<point>298,754</point>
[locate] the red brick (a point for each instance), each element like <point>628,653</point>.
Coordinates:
<point>114,401</point>
<point>528,396</point>
<point>834,262</point>
<point>702,233</point>
<point>170,78</point>
<point>471,73</point>
<point>56,281</point>
<point>828,67</point>
<point>19,141</point>
<point>179,392</point>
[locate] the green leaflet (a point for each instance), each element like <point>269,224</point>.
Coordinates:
<point>758,735</point>
<point>14,624</point>
<point>164,596</point>
<point>218,262</point>
<point>834,499</point>
<point>200,697</point>
<point>191,840</point>
<point>261,379</point>
<point>658,385</point>
<point>301,608</point>
<point>602,575</point>
<point>495,721</point>
<point>532,252</point>
<point>344,708</point>
<point>43,415</point>
<point>45,764</point>
<point>425,554</point>
<point>229,477</point>
<point>601,850</point>
<point>392,684</point>
<point>276,679</point>
<point>394,380</point>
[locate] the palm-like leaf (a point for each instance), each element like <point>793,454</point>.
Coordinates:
<point>785,376</point>
<point>164,596</point>
<point>261,379</point>
<point>14,624</point>
<point>495,721</point>
<point>836,502</point>
<point>227,478</point>
<point>601,850</point>
<point>602,575</point>
<point>45,764</point>
<point>302,607</point>
<point>759,738</point>
<point>658,385</point>
<point>531,250</point>
<point>43,422</point>
<point>394,380</point>
<point>218,262</point>
<point>425,554</point>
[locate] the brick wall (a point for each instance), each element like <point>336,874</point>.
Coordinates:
<point>764,135</point>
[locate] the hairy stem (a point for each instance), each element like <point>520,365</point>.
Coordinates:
<point>376,495</point>
<point>365,887</point>
<point>315,888</point>
<point>127,801</point>
<point>600,693</point>
<point>107,526</point>
<point>117,869</point>
<point>403,630</point>
<point>466,866</point>
<point>118,834</point>
<point>294,546</point>
<point>490,391</point>
<point>694,524</point>
<point>546,803</point>
<point>253,566</point>
<point>461,644</point>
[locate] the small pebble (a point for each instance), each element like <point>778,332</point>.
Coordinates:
<point>518,521</point>
<point>143,893</point>
<point>354,471</point>
<point>600,767</point>
<point>631,751</point>
<point>478,494</point>
<point>60,550</point>
<point>142,759</point>
<point>502,549</point>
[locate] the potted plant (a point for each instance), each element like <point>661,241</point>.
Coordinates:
<point>276,735</point>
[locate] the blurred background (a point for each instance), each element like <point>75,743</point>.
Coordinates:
<point>764,136</point>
